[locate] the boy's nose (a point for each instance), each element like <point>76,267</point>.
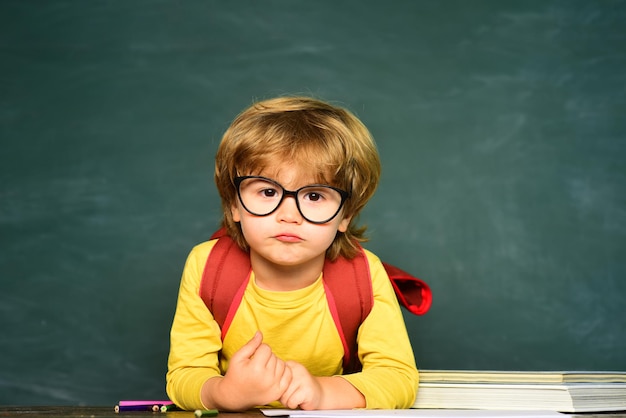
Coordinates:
<point>288,210</point>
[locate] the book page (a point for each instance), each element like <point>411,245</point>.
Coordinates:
<point>421,413</point>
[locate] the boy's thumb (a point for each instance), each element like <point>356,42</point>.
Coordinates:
<point>249,348</point>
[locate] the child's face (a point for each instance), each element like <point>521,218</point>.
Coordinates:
<point>284,237</point>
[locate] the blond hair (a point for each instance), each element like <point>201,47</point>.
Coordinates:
<point>316,136</point>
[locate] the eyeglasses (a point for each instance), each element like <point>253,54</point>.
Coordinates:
<point>317,203</point>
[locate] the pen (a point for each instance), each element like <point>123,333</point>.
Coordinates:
<point>142,405</point>
<point>205,413</point>
<point>168,407</point>
<point>125,408</point>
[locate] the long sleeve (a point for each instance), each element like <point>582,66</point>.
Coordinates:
<point>195,339</point>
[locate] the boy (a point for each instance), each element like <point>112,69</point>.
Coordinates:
<point>293,174</point>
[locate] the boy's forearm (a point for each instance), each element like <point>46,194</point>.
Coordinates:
<point>214,396</point>
<point>338,393</point>
<point>208,393</point>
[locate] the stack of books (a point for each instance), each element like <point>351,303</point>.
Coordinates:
<point>562,391</point>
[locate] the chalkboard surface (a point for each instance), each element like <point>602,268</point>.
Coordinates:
<point>502,131</point>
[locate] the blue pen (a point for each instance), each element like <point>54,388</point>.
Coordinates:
<point>126,408</point>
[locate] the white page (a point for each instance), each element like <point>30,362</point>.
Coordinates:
<point>420,413</point>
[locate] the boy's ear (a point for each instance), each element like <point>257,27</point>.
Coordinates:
<point>343,225</point>
<point>234,211</point>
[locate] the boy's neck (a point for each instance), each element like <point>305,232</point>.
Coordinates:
<point>270,276</point>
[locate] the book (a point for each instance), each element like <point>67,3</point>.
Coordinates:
<point>492,390</point>
<point>493,376</point>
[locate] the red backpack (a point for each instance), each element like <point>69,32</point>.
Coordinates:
<point>347,284</point>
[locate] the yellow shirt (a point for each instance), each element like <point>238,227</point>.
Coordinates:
<point>298,326</point>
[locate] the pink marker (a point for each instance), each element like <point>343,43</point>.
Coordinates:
<point>146,403</point>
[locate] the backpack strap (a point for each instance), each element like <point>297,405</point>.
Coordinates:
<point>348,287</point>
<point>222,297</point>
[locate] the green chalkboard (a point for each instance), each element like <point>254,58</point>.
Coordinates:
<point>502,131</point>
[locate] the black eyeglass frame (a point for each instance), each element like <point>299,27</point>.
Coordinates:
<point>293,193</point>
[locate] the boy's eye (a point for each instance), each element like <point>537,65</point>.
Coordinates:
<point>269,192</point>
<point>314,196</point>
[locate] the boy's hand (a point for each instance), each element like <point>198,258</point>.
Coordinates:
<point>255,376</point>
<point>319,392</point>
<point>304,391</point>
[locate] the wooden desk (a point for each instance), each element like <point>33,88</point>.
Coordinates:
<point>108,412</point>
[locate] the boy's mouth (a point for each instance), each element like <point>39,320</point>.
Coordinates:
<point>288,238</point>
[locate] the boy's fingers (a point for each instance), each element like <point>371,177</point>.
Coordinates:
<point>285,379</point>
